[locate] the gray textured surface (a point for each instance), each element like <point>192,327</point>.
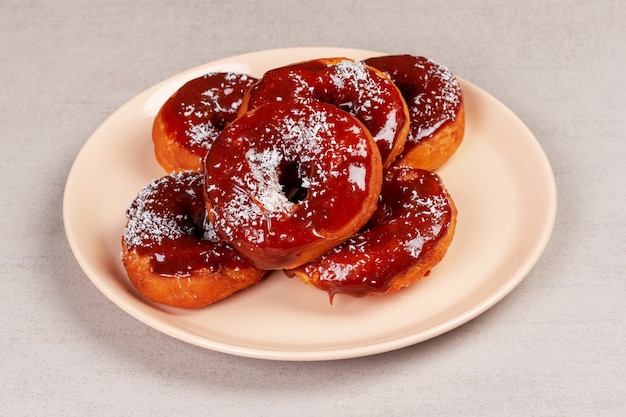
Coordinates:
<point>554,347</point>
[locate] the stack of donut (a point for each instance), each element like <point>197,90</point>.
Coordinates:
<point>323,169</point>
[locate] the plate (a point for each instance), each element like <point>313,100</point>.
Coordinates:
<point>500,179</point>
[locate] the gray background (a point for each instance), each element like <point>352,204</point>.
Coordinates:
<point>553,347</point>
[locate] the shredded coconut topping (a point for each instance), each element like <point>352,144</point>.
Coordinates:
<point>210,108</point>
<point>355,75</point>
<point>150,219</point>
<point>439,104</point>
<point>202,134</point>
<point>431,208</point>
<point>264,183</point>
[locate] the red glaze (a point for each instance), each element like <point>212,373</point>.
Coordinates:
<point>167,221</point>
<point>413,216</point>
<point>315,149</point>
<point>197,112</point>
<point>363,91</point>
<point>432,93</point>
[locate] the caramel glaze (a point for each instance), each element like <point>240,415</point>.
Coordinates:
<point>290,180</point>
<point>407,236</point>
<point>432,93</point>
<point>359,89</point>
<point>195,114</point>
<point>167,221</point>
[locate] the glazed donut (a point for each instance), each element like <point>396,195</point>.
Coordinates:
<point>190,120</point>
<point>365,92</point>
<point>436,108</point>
<point>290,180</point>
<point>406,237</point>
<point>170,251</point>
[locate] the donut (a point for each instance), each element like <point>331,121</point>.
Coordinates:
<point>289,180</point>
<point>406,237</point>
<point>190,120</point>
<point>363,91</point>
<point>170,251</point>
<point>437,112</point>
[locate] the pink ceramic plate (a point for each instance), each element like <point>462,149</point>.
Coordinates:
<point>500,179</point>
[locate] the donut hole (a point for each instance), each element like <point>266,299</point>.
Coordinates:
<point>196,230</point>
<point>194,221</point>
<point>220,123</point>
<point>348,107</point>
<point>292,183</point>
